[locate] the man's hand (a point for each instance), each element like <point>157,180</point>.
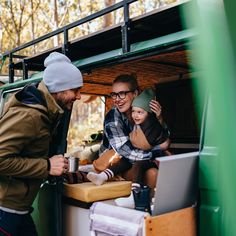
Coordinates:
<point>59,165</point>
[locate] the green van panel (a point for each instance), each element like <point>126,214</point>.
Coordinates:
<point>208,169</point>
<point>46,211</point>
<point>209,220</point>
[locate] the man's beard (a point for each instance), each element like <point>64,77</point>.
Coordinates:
<point>62,104</point>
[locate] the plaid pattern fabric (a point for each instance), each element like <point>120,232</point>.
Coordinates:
<point>116,135</point>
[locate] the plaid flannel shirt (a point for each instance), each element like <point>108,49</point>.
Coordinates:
<point>116,135</point>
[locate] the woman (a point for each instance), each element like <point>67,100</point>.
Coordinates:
<point>118,125</point>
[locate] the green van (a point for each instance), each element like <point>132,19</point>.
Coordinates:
<point>187,51</point>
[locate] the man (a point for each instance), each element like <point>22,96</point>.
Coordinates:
<point>26,127</point>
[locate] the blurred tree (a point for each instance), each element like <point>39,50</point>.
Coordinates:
<point>14,19</point>
<point>86,119</point>
<point>108,18</point>
<point>32,22</point>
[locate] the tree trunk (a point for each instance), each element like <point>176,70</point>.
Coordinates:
<point>56,38</point>
<point>108,18</point>
<point>32,22</point>
<point>1,38</point>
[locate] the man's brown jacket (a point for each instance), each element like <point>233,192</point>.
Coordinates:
<point>26,128</point>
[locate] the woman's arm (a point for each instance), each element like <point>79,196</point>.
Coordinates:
<point>118,136</point>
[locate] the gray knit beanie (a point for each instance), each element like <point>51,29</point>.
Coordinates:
<point>143,99</point>
<point>60,74</point>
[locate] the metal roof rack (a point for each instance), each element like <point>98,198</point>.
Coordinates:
<point>165,20</point>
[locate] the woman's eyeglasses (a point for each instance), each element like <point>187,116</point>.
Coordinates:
<point>120,95</point>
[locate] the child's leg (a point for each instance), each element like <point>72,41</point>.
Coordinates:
<point>137,177</point>
<point>100,178</point>
<point>121,166</point>
<point>143,172</point>
<point>138,171</point>
<point>127,201</point>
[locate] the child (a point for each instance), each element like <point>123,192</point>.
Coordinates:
<point>147,133</point>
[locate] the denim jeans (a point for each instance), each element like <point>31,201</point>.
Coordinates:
<point>12,224</point>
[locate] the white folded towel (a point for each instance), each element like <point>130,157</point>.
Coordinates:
<point>107,220</point>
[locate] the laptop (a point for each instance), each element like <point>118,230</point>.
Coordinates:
<point>177,183</point>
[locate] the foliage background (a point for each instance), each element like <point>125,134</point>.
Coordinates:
<point>86,118</point>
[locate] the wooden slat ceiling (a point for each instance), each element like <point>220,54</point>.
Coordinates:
<point>149,71</point>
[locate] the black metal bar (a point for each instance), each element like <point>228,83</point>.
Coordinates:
<point>125,29</point>
<point>72,25</point>
<point>25,69</point>
<point>65,46</point>
<point>18,56</point>
<point>11,68</point>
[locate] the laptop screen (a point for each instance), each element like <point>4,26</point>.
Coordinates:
<point>177,182</point>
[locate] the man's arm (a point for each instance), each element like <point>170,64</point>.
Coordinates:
<point>17,129</point>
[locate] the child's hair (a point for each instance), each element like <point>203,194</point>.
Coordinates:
<point>130,79</point>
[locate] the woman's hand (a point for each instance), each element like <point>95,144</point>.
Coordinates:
<point>156,108</point>
<point>165,145</point>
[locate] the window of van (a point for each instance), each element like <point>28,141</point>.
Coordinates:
<point>86,119</point>
<point>5,97</point>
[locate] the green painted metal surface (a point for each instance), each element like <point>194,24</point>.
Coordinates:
<point>214,56</point>
<point>20,83</point>
<point>45,214</point>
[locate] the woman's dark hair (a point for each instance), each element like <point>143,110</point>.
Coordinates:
<point>130,79</point>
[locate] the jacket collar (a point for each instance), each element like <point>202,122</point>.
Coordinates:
<point>54,110</point>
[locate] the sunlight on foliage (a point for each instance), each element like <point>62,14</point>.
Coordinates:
<point>86,119</point>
